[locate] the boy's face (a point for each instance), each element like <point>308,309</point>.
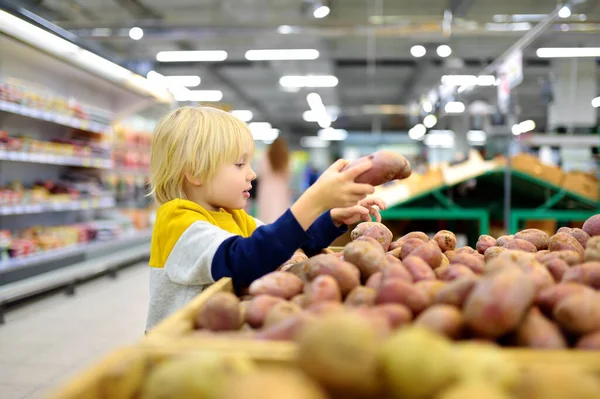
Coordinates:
<point>231,185</point>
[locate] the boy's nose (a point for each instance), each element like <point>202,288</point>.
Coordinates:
<point>252,175</point>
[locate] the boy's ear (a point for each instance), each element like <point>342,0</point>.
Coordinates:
<point>196,181</point>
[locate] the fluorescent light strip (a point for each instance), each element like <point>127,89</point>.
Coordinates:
<point>198,95</point>
<point>282,55</point>
<point>185,80</point>
<point>568,52</point>
<point>84,59</point>
<point>308,81</point>
<point>191,56</point>
<point>331,134</point>
<point>596,102</point>
<point>243,114</point>
<point>313,142</point>
<point>454,107</point>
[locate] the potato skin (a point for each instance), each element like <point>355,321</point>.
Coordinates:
<point>474,262</point>
<point>520,245</point>
<point>563,241</point>
<point>444,319</point>
<point>221,312</point>
<point>430,288</point>
<point>360,229</point>
<point>466,249</point>
<point>380,233</point>
<point>430,253</point>
<point>592,250</point>
<point>557,268</point>
<point>579,313</point>
<point>399,291</point>
<point>592,226</point>
<point>484,242</point>
<point>410,245</point>
<point>369,258</point>
<point>287,329</point>
<point>492,253</point>
<point>279,284</point>
<point>537,237</point>
<point>279,312</point>
<point>446,240</point>
<point>498,303</point>
<point>395,268</point>
<point>587,273</point>
<point>360,296</point>
<point>419,269</point>
<point>374,281</point>
<point>387,166</point>
<point>500,241</point>
<point>456,292</point>
<point>579,234</point>
<point>571,257</point>
<point>346,274</point>
<point>453,272</point>
<point>589,342</point>
<point>536,331</point>
<point>258,308</point>
<point>397,314</point>
<point>323,288</point>
<point>549,297</point>
<point>413,234</point>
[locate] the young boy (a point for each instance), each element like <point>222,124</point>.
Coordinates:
<point>200,175</point>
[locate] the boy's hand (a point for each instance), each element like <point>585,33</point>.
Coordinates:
<point>361,211</point>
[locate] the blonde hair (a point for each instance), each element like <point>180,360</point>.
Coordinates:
<point>194,140</point>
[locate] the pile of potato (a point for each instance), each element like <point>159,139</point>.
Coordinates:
<point>527,290</point>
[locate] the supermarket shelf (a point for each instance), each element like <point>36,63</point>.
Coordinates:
<point>564,140</point>
<point>91,203</point>
<point>78,249</point>
<point>54,117</point>
<point>69,276</point>
<point>19,156</point>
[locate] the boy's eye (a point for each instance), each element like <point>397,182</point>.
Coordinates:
<point>239,165</point>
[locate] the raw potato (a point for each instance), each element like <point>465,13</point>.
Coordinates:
<point>450,255</point>
<point>397,315</point>
<point>430,253</point>
<point>346,274</point>
<point>500,241</point>
<point>493,252</point>
<point>374,281</point>
<point>453,272</point>
<point>592,226</point>
<point>299,300</point>
<point>536,331</point>
<point>445,261</point>
<point>281,382</point>
<point>417,363</point>
<point>430,288</point>
<point>322,289</point>
<point>380,233</point>
<point>360,296</point>
<point>579,313</point>
<point>287,329</point>
<point>563,241</point>
<point>387,166</point>
<point>444,319</point>
<point>466,249</point>
<point>587,273</point>
<point>399,291</point>
<point>258,308</point>
<point>456,292</point>
<point>413,234</point>
<point>557,268</point>
<point>394,252</point>
<point>446,240</point>
<point>280,284</point>
<point>359,230</point>
<point>221,312</point>
<point>579,234</point>
<point>296,258</point>
<point>324,308</point>
<point>537,237</point>
<point>418,268</point>
<point>395,268</point>
<point>484,242</point>
<point>279,312</point>
<point>369,258</point>
<point>474,262</point>
<point>571,257</point>
<point>340,352</point>
<point>498,303</point>
<point>548,298</point>
<point>520,245</point>
<point>589,341</point>
<point>592,250</point>
<point>486,363</point>
<point>368,239</point>
<point>378,320</point>
<point>410,245</point>
<point>393,245</point>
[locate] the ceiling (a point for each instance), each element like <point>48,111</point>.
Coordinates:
<point>365,43</point>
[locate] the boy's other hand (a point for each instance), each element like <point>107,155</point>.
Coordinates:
<point>361,211</point>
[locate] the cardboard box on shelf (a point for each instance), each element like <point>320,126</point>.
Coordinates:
<point>583,184</point>
<point>531,165</point>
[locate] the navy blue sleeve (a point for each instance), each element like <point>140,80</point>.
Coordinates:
<point>323,232</point>
<point>246,259</point>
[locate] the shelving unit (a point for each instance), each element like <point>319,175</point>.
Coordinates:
<point>47,145</point>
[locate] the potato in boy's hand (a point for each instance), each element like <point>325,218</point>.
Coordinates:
<point>387,166</point>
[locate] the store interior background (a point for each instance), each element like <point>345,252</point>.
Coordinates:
<point>465,89</point>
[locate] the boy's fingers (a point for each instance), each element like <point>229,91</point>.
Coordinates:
<point>363,189</point>
<point>358,169</point>
<point>339,165</point>
<point>380,203</point>
<point>375,212</point>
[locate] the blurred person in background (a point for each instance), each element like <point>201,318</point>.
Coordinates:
<point>273,195</point>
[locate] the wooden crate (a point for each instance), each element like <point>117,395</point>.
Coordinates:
<point>582,184</point>
<point>531,165</point>
<point>121,374</point>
